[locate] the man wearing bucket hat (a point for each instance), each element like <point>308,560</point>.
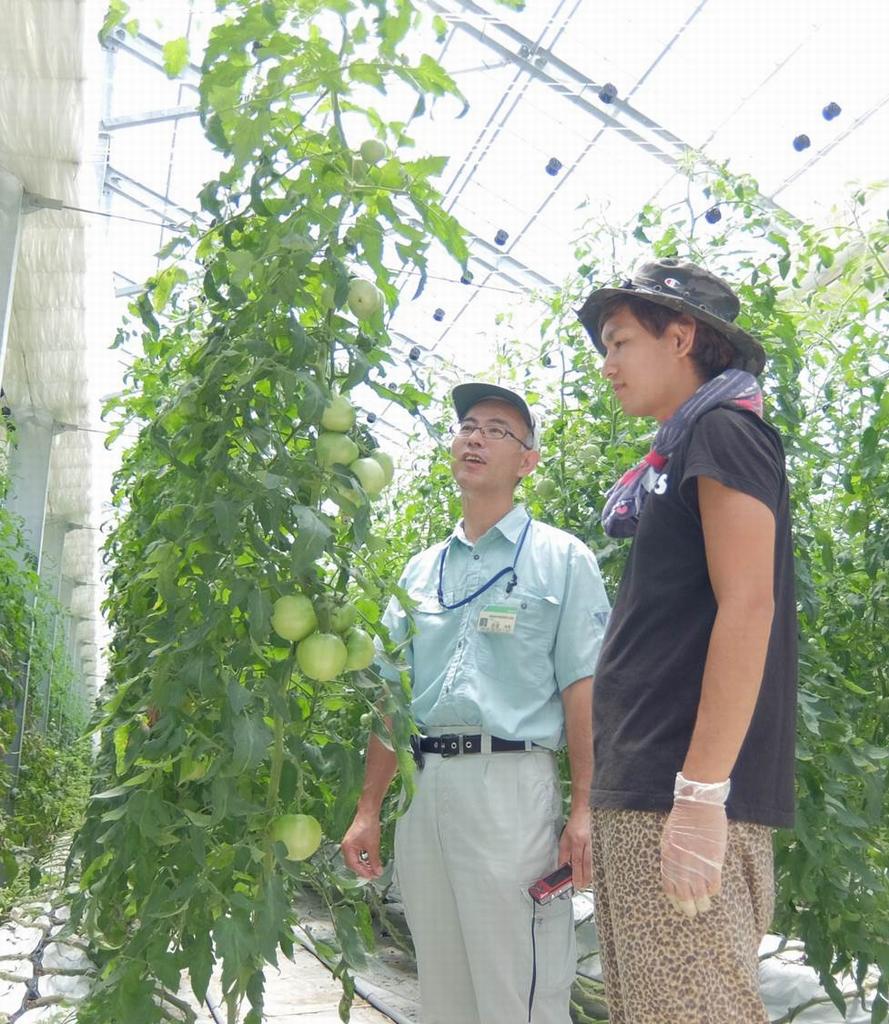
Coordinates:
<point>508,618</point>
<point>694,698</point>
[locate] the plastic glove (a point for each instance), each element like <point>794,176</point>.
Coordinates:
<point>693,844</point>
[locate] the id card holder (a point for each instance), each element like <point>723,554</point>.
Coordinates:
<point>498,618</point>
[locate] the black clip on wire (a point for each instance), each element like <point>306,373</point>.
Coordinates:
<point>512,583</point>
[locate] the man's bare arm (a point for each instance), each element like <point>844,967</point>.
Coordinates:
<point>363,834</point>
<point>574,845</point>
<point>739,537</point>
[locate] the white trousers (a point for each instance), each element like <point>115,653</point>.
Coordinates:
<point>479,830</point>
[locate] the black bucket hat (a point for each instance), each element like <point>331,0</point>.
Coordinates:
<point>686,288</point>
<point>465,396</point>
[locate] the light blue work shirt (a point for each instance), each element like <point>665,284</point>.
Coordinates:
<point>506,684</point>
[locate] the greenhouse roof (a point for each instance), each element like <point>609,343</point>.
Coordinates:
<point>578,112</point>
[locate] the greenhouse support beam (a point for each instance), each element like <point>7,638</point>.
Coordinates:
<point>580,90</point>
<point>29,479</point>
<point>29,483</point>
<point>74,697</point>
<point>51,574</point>
<point>65,627</point>
<point>146,198</point>
<point>44,685</point>
<point>113,124</point>
<point>54,533</point>
<point>505,259</point>
<point>11,192</point>
<point>671,156</point>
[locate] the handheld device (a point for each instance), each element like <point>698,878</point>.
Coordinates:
<point>553,885</point>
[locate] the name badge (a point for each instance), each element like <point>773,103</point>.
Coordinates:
<point>497,618</point>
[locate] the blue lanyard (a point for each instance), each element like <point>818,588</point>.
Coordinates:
<point>491,581</point>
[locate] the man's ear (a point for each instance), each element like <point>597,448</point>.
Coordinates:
<point>529,461</point>
<point>682,335</point>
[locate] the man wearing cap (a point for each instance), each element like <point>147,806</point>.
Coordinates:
<point>508,618</point>
<point>694,702</point>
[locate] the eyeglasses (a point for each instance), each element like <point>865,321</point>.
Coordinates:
<point>492,432</point>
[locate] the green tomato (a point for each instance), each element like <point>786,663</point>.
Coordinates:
<point>340,615</point>
<point>343,616</point>
<point>332,447</point>
<point>363,299</point>
<point>338,415</point>
<point>322,656</point>
<point>367,720</point>
<point>370,475</point>
<point>300,833</point>
<point>386,463</point>
<point>360,650</point>
<point>372,151</point>
<point>293,617</point>
<point>545,489</point>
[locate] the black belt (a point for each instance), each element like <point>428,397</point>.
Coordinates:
<point>452,744</point>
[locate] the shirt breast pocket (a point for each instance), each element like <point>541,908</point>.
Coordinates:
<point>432,631</point>
<point>526,652</point>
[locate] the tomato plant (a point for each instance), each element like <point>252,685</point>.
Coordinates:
<point>47,796</point>
<point>244,510</point>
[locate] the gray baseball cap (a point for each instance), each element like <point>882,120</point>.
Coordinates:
<point>687,288</point>
<point>465,396</point>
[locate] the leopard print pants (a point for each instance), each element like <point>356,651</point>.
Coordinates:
<point>661,967</point>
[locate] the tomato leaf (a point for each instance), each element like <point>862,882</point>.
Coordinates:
<point>252,738</point>
<point>175,57</point>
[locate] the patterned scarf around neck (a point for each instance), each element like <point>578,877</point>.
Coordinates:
<point>623,503</point>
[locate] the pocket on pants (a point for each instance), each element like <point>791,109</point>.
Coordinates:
<point>556,951</point>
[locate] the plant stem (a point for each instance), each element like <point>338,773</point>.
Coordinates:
<point>275,774</point>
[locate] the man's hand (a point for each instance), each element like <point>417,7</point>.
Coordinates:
<point>361,846</point>
<point>693,845</point>
<point>574,847</point>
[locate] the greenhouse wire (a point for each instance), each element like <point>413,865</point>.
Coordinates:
<point>217,1019</point>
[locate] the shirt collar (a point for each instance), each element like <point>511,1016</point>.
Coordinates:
<point>510,526</point>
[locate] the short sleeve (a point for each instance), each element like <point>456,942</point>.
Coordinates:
<point>583,618</point>
<point>738,450</point>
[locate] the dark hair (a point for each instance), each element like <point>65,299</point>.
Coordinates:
<point>711,353</point>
